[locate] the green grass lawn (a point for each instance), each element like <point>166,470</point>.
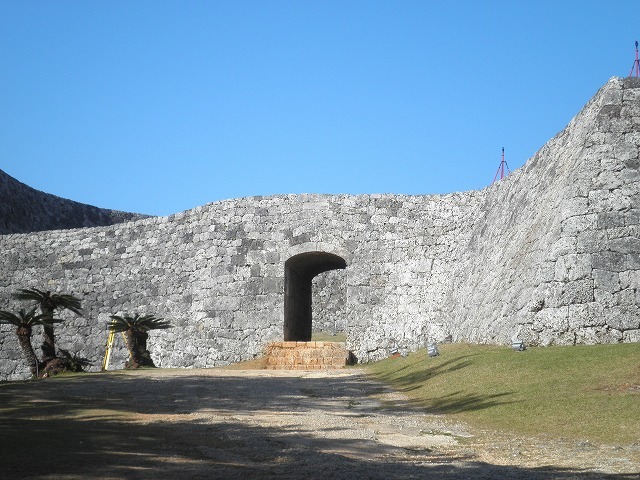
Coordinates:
<point>328,337</point>
<point>582,392</point>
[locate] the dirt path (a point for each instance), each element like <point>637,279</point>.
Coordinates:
<point>262,424</point>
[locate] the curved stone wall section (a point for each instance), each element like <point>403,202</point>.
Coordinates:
<point>24,209</point>
<point>549,254</point>
<point>218,271</point>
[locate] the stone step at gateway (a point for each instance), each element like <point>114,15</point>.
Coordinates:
<point>306,355</point>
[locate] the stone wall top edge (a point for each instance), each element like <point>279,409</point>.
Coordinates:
<point>613,83</point>
<point>293,200</point>
<point>596,101</point>
<point>308,198</point>
<point>82,230</point>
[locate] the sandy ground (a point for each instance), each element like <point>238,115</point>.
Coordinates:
<point>231,424</point>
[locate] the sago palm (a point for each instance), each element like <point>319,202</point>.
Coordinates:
<point>135,328</point>
<point>24,321</point>
<point>48,303</point>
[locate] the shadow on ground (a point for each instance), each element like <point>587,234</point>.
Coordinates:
<point>456,402</point>
<point>111,426</point>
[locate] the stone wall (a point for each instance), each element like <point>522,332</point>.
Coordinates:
<point>24,209</point>
<point>305,356</point>
<point>550,254</point>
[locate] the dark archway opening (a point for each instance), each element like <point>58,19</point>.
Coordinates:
<point>299,270</point>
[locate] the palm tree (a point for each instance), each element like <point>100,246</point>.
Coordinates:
<point>48,303</point>
<point>24,322</point>
<point>136,330</point>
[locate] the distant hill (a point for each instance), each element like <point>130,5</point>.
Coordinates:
<point>24,209</point>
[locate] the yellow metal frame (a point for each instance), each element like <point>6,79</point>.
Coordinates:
<point>109,348</point>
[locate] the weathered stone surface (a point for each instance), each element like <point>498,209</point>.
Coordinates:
<point>550,254</point>
<point>24,209</point>
<point>305,355</point>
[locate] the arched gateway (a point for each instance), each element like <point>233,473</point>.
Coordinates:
<point>299,271</point>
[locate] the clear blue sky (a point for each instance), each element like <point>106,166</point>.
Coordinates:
<point>160,106</point>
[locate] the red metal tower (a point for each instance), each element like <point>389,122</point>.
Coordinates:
<point>501,168</point>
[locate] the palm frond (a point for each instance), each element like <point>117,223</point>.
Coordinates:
<point>50,301</point>
<point>26,318</point>
<point>137,322</point>
<point>68,302</point>
<point>119,324</point>
<point>30,294</point>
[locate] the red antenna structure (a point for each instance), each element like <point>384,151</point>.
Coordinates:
<point>636,64</point>
<point>501,168</point>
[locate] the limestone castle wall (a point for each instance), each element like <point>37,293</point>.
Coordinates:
<point>550,254</point>
<point>24,209</point>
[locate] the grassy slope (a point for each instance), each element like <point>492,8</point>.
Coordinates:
<point>582,392</point>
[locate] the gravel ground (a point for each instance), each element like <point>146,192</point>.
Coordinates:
<point>227,424</point>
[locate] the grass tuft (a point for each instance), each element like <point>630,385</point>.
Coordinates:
<point>581,392</point>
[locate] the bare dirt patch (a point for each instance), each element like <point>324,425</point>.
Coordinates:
<point>263,424</point>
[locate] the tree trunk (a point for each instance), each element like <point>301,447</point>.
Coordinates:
<point>24,339</point>
<point>145,356</point>
<point>135,359</point>
<point>48,346</point>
